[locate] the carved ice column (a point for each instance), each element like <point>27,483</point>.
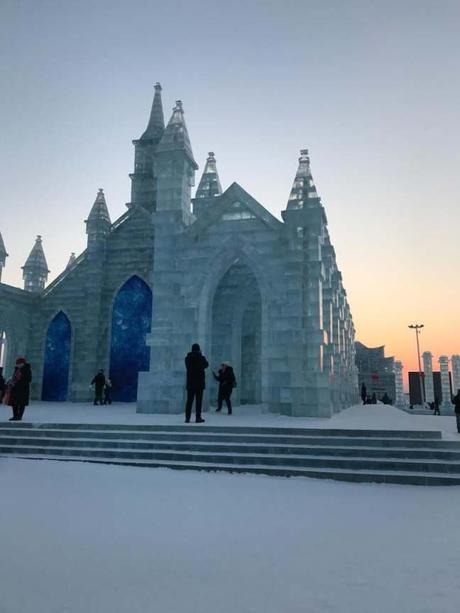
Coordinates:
<point>445,382</point>
<point>400,400</point>
<point>351,386</point>
<point>343,357</point>
<point>428,378</point>
<point>327,320</point>
<point>455,361</point>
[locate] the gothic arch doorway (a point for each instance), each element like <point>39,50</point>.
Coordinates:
<point>131,322</point>
<point>55,385</point>
<point>236,330</point>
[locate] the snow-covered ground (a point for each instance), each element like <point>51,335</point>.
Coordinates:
<point>82,538</point>
<point>365,417</point>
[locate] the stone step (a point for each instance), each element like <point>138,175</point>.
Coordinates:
<point>291,461</point>
<point>357,476</point>
<point>390,456</point>
<point>262,430</point>
<point>215,447</point>
<point>201,435</point>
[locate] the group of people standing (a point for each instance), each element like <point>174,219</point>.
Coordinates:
<point>373,399</point>
<point>196,365</point>
<point>16,391</point>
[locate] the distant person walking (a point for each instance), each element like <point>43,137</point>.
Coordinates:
<point>456,401</point>
<point>19,388</point>
<point>363,393</point>
<point>196,364</point>
<point>108,392</point>
<point>227,381</point>
<point>99,385</point>
<point>436,406</point>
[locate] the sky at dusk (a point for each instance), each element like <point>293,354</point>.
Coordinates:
<point>372,89</point>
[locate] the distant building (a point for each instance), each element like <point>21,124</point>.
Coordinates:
<point>415,391</point>
<point>375,370</point>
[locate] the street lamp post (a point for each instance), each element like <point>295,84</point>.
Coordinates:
<point>417,328</point>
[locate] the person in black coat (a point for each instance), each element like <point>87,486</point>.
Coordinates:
<point>363,393</point>
<point>20,388</point>
<point>99,386</point>
<point>456,402</point>
<point>227,381</point>
<point>196,364</point>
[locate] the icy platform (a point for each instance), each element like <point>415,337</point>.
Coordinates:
<point>374,417</point>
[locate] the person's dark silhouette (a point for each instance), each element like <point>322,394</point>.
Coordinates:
<point>363,393</point>
<point>99,385</point>
<point>19,386</point>
<point>456,403</point>
<point>196,364</point>
<point>374,399</point>
<point>436,404</point>
<point>227,381</point>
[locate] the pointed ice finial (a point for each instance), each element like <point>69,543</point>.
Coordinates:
<point>175,137</point>
<point>98,217</point>
<point>303,188</point>
<point>209,185</point>
<point>3,255</point>
<point>71,260</point>
<point>98,225</point>
<point>156,125</point>
<point>35,269</point>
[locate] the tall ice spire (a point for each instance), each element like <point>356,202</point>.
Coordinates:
<point>209,185</point>
<point>35,269</point>
<point>303,191</point>
<point>98,223</point>
<point>156,125</point>
<point>3,255</point>
<point>175,137</point>
<point>143,180</point>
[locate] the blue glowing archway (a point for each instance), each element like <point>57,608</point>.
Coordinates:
<point>57,359</point>
<point>131,322</point>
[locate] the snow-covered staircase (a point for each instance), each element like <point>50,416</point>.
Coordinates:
<point>383,456</point>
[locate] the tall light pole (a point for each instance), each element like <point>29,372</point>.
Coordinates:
<point>417,328</point>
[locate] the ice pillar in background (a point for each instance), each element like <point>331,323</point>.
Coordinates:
<point>445,383</point>
<point>428,378</point>
<point>400,400</point>
<point>455,360</point>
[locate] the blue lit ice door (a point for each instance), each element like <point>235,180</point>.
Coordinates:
<point>57,359</point>
<point>131,322</point>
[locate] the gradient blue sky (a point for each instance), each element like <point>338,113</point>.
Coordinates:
<point>371,88</point>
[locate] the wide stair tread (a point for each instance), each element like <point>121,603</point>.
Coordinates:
<point>292,450</point>
<point>262,430</point>
<point>288,461</point>
<point>362,476</point>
